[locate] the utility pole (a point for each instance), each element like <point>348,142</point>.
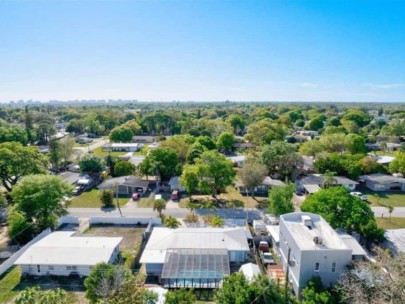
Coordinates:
<point>287,275</point>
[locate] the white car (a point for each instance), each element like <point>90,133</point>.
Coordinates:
<point>359,195</point>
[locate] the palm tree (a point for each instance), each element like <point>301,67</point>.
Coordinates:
<point>216,221</point>
<point>159,205</point>
<point>328,179</point>
<point>171,222</point>
<point>390,210</point>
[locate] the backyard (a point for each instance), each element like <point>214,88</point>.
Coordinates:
<point>130,245</point>
<point>89,199</point>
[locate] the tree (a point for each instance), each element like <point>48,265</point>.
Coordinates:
<point>159,205</point>
<point>216,221</point>
<point>105,281</point>
<point>252,175</point>
<point>264,132</point>
<point>45,131</point>
<point>281,199</point>
<point>316,123</point>
<point>356,144</point>
<point>195,152</point>
<point>207,142</point>
<point>343,210</point>
<point>328,179</point>
<point>335,142</point>
<point>121,134</point>
<point>311,148</point>
<point>66,149</point>
<point>171,222</point>
<point>398,164</point>
<point>34,295</point>
<point>106,198</point>
<point>20,230</point>
<point>40,197</point>
<point>123,168</point>
<point>210,173</point>
<point>162,162</point>
<point>180,296</point>
<point>180,144</point>
<point>225,141</point>
<point>237,122</point>
<point>315,293</point>
<point>359,117</point>
<point>91,164</point>
<point>54,153</point>
<point>17,161</point>
<point>281,160</point>
<point>370,166</point>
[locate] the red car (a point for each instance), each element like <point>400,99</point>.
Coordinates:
<point>175,195</point>
<point>135,196</point>
<point>264,246</point>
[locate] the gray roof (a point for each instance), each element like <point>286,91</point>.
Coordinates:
<point>382,178</point>
<point>317,179</point>
<point>131,181</point>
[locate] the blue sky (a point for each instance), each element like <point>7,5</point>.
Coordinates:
<point>203,50</point>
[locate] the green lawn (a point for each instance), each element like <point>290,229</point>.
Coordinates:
<point>396,199</point>
<point>100,153</point>
<point>89,199</point>
<point>9,284</point>
<point>394,223</point>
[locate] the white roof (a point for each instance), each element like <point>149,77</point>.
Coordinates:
<point>304,236</point>
<point>62,248</point>
<point>124,145</point>
<point>250,270</point>
<point>312,188</point>
<point>274,231</point>
<point>236,158</point>
<point>162,239</point>
<point>352,243</point>
<point>384,159</point>
<point>83,181</point>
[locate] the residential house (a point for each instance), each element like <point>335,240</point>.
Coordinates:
<point>237,160</point>
<point>194,257</point>
<point>309,247</point>
<point>122,147</point>
<point>267,183</point>
<point>308,133</point>
<point>312,183</point>
<point>383,182</point>
<point>146,139</point>
<point>63,254</point>
<point>127,185</point>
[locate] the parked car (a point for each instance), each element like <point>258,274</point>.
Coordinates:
<point>78,190</point>
<point>263,246</point>
<point>175,195</point>
<point>359,195</point>
<point>136,196</point>
<point>268,258</point>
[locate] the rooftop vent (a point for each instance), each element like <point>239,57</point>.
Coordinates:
<point>306,220</point>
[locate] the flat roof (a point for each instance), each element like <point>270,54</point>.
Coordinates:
<point>351,243</point>
<point>274,231</point>
<point>304,236</point>
<point>163,239</point>
<point>62,248</point>
<point>123,145</point>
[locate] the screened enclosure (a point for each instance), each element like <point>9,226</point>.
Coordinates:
<point>195,268</point>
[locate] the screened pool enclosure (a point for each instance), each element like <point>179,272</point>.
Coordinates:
<point>195,268</point>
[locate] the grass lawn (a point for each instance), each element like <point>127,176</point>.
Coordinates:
<point>100,153</point>
<point>231,194</point>
<point>395,223</point>
<point>396,199</point>
<point>89,199</point>
<point>9,284</point>
<point>131,243</point>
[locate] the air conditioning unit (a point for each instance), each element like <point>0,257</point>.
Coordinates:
<point>318,240</point>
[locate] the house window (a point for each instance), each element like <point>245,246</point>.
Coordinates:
<point>333,267</point>
<point>316,266</point>
<point>50,267</point>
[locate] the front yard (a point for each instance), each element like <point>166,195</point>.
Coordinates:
<point>394,223</point>
<point>89,199</point>
<point>396,199</point>
<point>146,200</point>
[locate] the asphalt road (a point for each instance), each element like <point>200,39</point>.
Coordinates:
<point>379,211</point>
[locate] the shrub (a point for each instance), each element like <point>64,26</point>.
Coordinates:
<point>106,198</point>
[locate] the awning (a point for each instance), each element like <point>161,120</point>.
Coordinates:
<point>311,188</point>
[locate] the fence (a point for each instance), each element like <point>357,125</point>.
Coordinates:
<point>10,261</point>
<point>124,221</point>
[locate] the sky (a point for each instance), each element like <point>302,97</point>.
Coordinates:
<point>203,50</point>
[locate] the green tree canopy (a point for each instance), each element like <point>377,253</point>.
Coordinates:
<point>123,168</point>
<point>121,134</point>
<point>225,141</point>
<point>252,174</point>
<point>264,132</point>
<point>281,199</point>
<point>207,142</point>
<point>180,296</point>
<point>40,197</point>
<point>398,164</point>
<point>161,161</point>
<point>91,163</point>
<point>315,293</point>
<point>17,161</point>
<point>159,205</point>
<point>343,210</point>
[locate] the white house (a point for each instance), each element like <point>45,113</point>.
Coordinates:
<point>193,257</point>
<point>308,247</point>
<point>122,147</point>
<point>311,183</point>
<point>61,254</point>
